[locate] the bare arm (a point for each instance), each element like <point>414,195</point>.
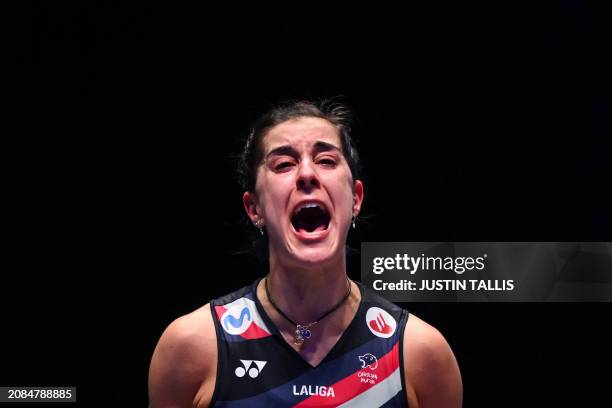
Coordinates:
<point>432,372</point>
<point>184,363</point>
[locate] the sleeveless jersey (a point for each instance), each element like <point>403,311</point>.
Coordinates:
<point>257,368</point>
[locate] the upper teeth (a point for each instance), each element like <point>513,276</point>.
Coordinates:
<point>307,205</point>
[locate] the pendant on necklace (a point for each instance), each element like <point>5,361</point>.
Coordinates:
<point>301,333</point>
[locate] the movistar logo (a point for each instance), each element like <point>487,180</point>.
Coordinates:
<point>237,319</point>
<point>232,321</point>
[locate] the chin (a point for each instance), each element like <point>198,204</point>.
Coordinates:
<point>304,249</point>
<point>315,255</point>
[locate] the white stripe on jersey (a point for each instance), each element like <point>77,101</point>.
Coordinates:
<point>378,394</point>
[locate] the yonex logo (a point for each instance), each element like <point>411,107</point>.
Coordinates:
<point>237,319</point>
<point>380,322</point>
<point>253,367</point>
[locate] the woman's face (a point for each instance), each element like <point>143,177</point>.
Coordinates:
<point>304,192</point>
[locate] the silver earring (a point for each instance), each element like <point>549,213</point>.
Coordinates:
<point>259,224</point>
<point>354,217</point>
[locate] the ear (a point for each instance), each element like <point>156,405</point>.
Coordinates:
<point>250,206</point>
<point>357,197</point>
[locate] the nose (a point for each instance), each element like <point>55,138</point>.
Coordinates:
<point>307,177</point>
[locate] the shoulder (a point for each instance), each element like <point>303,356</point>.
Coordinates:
<point>184,363</point>
<point>430,367</point>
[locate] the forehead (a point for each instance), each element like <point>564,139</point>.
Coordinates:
<point>301,132</point>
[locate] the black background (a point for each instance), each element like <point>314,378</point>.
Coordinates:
<point>474,122</point>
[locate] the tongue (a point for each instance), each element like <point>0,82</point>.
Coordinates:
<point>318,228</point>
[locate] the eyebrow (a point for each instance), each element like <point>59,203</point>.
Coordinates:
<point>287,150</point>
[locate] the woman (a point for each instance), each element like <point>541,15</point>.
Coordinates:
<point>305,334</point>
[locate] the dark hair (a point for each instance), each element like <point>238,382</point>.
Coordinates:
<point>334,112</point>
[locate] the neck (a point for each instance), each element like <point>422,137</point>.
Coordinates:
<point>304,294</point>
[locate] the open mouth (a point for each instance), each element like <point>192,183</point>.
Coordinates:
<point>310,217</point>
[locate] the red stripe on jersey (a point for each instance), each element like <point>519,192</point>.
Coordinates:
<point>254,332</point>
<point>351,386</point>
<point>220,310</point>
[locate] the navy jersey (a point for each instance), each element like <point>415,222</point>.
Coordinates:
<point>257,368</point>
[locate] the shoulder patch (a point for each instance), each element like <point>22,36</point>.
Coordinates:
<point>380,322</point>
<point>240,318</point>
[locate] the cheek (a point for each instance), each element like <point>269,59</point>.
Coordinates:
<point>342,194</point>
<point>273,199</point>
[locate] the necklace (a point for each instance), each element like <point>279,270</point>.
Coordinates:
<point>302,331</point>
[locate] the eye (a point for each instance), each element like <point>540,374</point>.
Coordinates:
<point>327,161</point>
<point>284,165</point>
